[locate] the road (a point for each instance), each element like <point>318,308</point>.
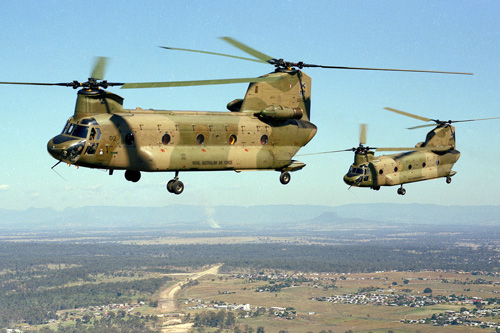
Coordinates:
<point>168,297</point>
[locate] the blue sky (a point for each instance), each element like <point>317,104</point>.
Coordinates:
<point>54,41</point>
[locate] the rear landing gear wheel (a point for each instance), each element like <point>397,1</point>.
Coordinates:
<point>448,180</point>
<point>285,177</point>
<point>401,191</point>
<point>132,176</point>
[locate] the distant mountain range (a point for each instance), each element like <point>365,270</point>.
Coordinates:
<point>230,217</point>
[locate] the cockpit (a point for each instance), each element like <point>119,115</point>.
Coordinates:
<point>358,170</point>
<point>81,129</point>
<point>69,145</point>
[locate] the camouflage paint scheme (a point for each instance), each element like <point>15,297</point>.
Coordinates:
<point>263,131</point>
<point>407,167</point>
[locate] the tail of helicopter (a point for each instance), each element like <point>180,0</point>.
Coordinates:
<point>292,90</point>
<point>440,136</point>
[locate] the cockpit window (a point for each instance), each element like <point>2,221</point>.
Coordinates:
<point>95,134</point>
<point>68,129</point>
<point>359,171</point>
<point>88,121</point>
<point>81,131</point>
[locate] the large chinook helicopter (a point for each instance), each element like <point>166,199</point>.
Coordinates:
<point>433,158</point>
<point>262,131</point>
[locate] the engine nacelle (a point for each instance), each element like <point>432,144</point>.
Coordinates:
<point>279,112</point>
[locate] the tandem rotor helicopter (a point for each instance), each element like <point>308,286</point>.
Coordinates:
<point>262,131</point>
<point>430,159</point>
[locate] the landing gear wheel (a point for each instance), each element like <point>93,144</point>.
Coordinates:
<point>177,187</point>
<point>132,176</point>
<point>401,191</point>
<point>448,180</point>
<point>170,185</point>
<point>285,177</point>
<point>376,188</point>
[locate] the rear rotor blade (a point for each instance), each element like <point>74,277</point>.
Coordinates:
<point>247,49</point>
<point>197,82</point>
<point>463,121</point>
<point>385,69</point>
<point>407,114</point>
<point>421,126</point>
<point>213,53</point>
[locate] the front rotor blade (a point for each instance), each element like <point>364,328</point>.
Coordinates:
<point>213,53</point>
<point>247,49</point>
<point>39,84</point>
<point>197,83</point>
<point>439,148</point>
<point>362,134</point>
<point>328,152</point>
<point>407,114</point>
<point>99,68</point>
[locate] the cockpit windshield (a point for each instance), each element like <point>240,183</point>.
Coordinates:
<point>80,130</point>
<point>362,170</point>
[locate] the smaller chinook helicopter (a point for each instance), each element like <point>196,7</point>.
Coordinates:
<point>433,158</point>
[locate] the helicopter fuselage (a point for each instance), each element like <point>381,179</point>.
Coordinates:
<point>402,168</point>
<point>148,140</point>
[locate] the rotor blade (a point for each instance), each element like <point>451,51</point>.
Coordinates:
<point>407,114</point>
<point>385,69</point>
<point>39,84</point>
<point>213,53</point>
<point>247,49</point>
<point>421,126</point>
<point>462,121</point>
<point>99,67</point>
<point>328,152</point>
<point>439,148</point>
<point>362,134</point>
<point>197,83</point>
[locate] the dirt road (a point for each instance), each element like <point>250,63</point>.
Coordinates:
<point>168,297</point>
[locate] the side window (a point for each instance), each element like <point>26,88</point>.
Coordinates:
<point>166,139</point>
<point>263,140</point>
<point>95,134</point>
<point>129,139</point>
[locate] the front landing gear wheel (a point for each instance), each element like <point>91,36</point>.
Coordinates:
<point>448,180</point>
<point>175,185</point>
<point>285,177</point>
<point>401,191</point>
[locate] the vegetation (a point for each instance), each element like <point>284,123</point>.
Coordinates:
<point>38,280</point>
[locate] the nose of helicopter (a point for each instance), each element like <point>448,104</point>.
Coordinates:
<point>64,148</point>
<point>351,180</point>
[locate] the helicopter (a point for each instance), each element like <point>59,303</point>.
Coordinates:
<point>431,159</point>
<point>262,131</point>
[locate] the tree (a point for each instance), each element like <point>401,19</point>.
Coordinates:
<point>427,290</point>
